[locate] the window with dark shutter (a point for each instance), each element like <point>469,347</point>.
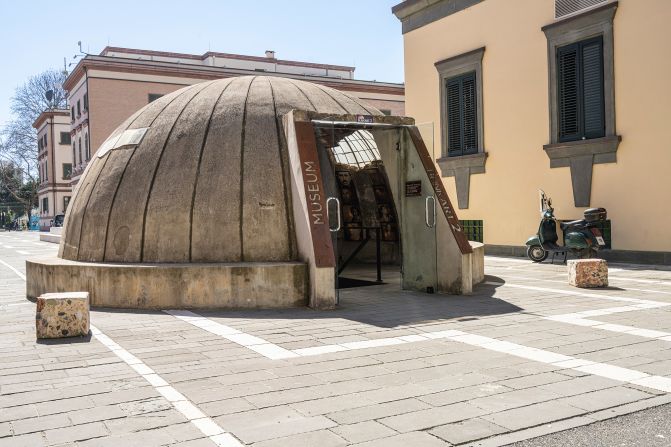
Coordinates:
<point>567,63</point>
<point>592,80</point>
<point>65,138</point>
<point>462,121</point>
<point>580,96</point>
<point>453,117</point>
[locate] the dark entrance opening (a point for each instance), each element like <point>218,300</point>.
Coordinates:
<point>365,233</point>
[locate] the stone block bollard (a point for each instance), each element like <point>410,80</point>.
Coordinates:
<point>588,273</point>
<point>62,315</point>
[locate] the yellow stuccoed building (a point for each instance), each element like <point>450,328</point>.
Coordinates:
<point>568,96</point>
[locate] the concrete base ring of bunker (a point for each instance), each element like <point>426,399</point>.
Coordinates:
<point>169,286</point>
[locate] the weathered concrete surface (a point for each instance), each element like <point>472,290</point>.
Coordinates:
<point>588,273</point>
<point>50,237</point>
<point>208,182</point>
<point>477,262</point>
<point>169,286</point>
<point>53,236</point>
<point>62,315</point>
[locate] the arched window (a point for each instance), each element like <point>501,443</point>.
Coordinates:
<point>74,153</point>
<point>80,150</point>
<point>86,147</point>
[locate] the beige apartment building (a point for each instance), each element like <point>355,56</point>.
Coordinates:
<point>568,96</point>
<point>54,164</point>
<point>106,89</point>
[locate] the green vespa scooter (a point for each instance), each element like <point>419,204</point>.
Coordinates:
<point>581,237</point>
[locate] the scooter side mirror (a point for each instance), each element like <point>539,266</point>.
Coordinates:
<point>543,200</point>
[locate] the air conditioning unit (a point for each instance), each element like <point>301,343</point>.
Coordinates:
<point>565,8</point>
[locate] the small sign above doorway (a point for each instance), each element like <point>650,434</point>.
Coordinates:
<point>365,119</point>
<point>413,188</point>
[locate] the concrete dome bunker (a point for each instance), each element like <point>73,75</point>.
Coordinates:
<point>194,202</point>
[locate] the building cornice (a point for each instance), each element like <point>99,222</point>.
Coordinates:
<point>120,64</point>
<point>49,113</point>
<point>241,57</point>
<point>415,14</point>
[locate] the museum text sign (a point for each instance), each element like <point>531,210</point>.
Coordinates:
<point>314,194</point>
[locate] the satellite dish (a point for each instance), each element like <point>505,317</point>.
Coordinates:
<point>49,94</point>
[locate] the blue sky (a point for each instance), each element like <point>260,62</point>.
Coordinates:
<point>37,35</point>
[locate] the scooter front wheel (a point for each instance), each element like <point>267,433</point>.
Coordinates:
<point>536,253</point>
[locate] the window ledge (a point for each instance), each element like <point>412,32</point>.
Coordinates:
<point>580,156</point>
<point>461,168</point>
<point>476,163</point>
<point>603,150</point>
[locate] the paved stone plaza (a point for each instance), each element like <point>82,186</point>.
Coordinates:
<point>526,355</point>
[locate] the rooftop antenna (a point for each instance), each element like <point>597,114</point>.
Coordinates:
<point>80,54</point>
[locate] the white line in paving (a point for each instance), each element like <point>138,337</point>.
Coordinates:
<point>526,278</point>
<point>208,427</point>
<point>563,361</point>
<point>205,424</point>
<point>578,319</point>
<point>192,413</point>
<point>20,275</point>
<point>266,349</point>
<point>540,355</point>
<point>15,303</point>
<point>645,281</point>
<point>22,252</point>
<point>504,260</point>
<point>641,280</point>
<point>571,292</point>
<point>511,260</point>
<point>318,350</point>
<point>610,277</point>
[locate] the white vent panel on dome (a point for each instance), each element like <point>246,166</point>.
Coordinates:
<point>564,8</point>
<point>130,137</point>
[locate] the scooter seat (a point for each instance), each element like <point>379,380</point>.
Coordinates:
<point>574,223</point>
